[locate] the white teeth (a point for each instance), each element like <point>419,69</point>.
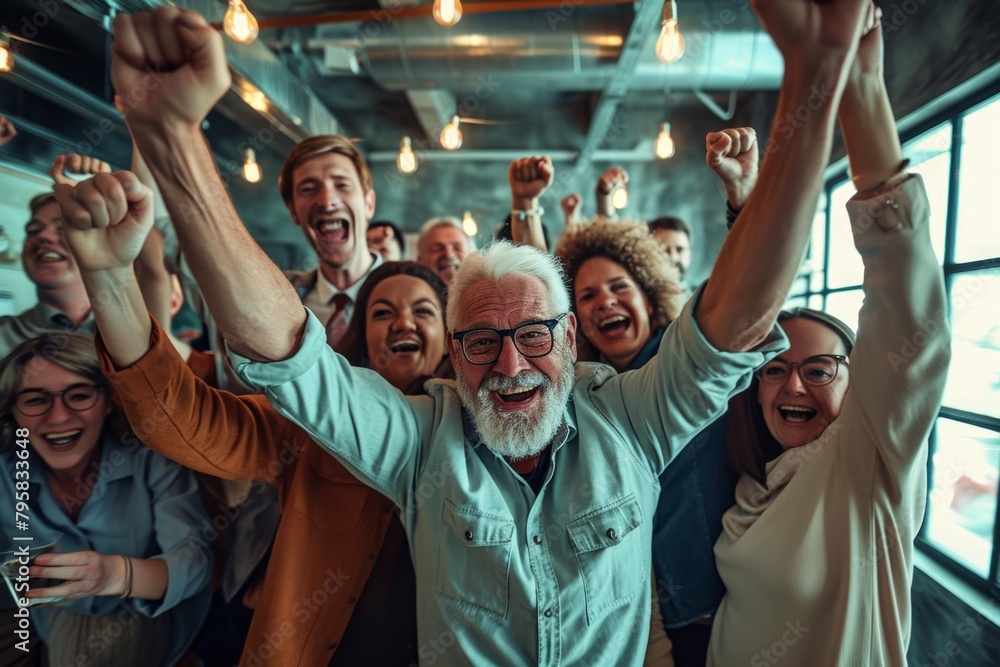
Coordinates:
<point>330,225</point>
<point>612,321</point>
<point>405,346</point>
<point>62,438</point>
<point>51,255</point>
<point>516,391</point>
<point>795,408</point>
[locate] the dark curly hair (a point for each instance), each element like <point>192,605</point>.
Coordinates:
<point>629,243</point>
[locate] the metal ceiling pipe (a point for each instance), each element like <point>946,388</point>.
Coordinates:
<point>564,49</point>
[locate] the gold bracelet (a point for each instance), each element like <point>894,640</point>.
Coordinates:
<point>128,578</point>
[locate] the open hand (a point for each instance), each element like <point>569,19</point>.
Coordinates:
<point>732,154</point>
<point>169,67</point>
<point>107,218</point>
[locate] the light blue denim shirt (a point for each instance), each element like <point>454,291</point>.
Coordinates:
<point>142,506</point>
<point>503,576</point>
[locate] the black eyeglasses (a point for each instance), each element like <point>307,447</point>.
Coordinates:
<point>36,402</point>
<point>817,371</point>
<point>531,339</point>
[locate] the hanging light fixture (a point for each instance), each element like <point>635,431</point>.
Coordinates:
<point>670,45</point>
<point>620,198</point>
<point>451,135</point>
<point>6,55</point>
<point>469,224</point>
<point>665,148</point>
<point>407,160</point>
<point>447,12</point>
<point>240,24</point>
<point>251,170</point>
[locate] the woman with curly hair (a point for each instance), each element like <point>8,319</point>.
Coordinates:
<point>625,292</point>
<point>625,289</point>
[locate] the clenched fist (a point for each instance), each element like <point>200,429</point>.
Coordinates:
<point>733,155</point>
<point>107,218</point>
<point>169,67</point>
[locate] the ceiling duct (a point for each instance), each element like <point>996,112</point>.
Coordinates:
<point>561,51</point>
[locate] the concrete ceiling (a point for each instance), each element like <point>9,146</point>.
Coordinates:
<point>577,80</point>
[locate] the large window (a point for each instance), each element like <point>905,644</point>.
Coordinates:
<point>957,161</point>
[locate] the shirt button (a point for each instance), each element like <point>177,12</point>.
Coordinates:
<point>548,613</point>
<point>612,534</point>
<point>537,539</point>
<point>468,535</point>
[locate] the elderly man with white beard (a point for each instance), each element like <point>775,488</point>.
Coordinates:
<point>526,490</point>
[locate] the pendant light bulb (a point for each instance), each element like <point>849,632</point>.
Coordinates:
<point>447,12</point>
<point>670,45</point>
<point>240,24</point>
<point>620,198</point>
<point>469,225</point>
<point>665,148</point>
<point>451,135</point>
<point>251,170</point>
<point>407,160</point>
<point>6,55</point>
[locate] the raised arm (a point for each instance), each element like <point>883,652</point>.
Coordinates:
<point>898,367</point>
<point>760,257</point>
<point>529,178</point>
<point>265,323</point>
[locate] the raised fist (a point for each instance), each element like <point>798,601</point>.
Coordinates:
<point>169,67</point>
<point>733,155</point>
<point>7,131</point>
<point>74,163</point>
<point>106,219</point>
<point>571,207</point>
<point>809,30</point>
<point>611,180</point>
<point>530,177</point>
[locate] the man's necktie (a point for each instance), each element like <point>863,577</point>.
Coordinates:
<point>336,326</point>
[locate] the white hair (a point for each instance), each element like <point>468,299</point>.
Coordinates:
<point>445,221</point>
<point>501,259</point>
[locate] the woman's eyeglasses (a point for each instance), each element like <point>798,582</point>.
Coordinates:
<point>816,371</point>
<point>36,402</point>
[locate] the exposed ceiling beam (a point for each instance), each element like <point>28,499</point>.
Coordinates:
<point>602,124</point>
<point>433,108</point>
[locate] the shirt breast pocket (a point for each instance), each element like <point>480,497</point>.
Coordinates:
<point>474,558</point>
<point>608,554</point>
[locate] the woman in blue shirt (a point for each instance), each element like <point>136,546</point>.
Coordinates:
<point>130,578</point>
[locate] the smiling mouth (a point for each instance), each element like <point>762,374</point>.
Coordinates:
<point>796,414</point>
<point>404,347</point>
<point>614,326</point>
<point>332,230</point>
<point>64,439</point>
<point>516,396</point>
<point>50,256</point>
